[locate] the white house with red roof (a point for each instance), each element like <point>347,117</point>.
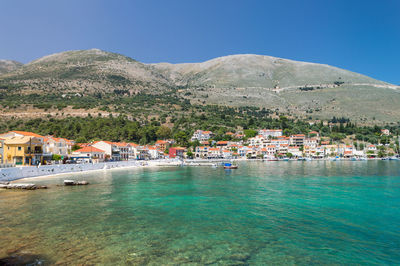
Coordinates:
<point>60,146</point>
<point>385,132</point>
<point>201,135</point>
<point>201,152</point>
<point>295,150</point>
<point>111,149</point>
<point>268,133</point>
<point>256,141</point>
<point>91,152</point>
<point>214,153</point>
<point>297,140</point>
<point>226,154</point>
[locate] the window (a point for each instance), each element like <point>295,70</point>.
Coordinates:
<point>19,148</point>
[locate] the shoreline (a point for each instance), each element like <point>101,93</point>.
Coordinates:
<point>159,163</point>
<point>48,171</point>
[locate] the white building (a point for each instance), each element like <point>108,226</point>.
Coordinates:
<point>267,133</point>
<point>111,150</point>
<point>256,141</point>
<point>297,140</point>
<point>201,135</point>
<point>58,146</point>
<point>91,152</point>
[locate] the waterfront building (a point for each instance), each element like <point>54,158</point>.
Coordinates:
<point>227,154</point>
<point>295,151</point>
<point>201,152</point>
<point>1,151</point>
<point>22,150</point>
<point>162,145</point>
<point>155,153</point>
<point>282,150</point>
<point>111,149</point>
<point>176,152</point>
<point>311,142</point>
<point>214,153</point>
<point>58,146</point>
<point>124,149</point>
<point>91,152</point>
<point>297,140</point>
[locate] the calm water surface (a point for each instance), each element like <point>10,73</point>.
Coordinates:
<point>262,213</point>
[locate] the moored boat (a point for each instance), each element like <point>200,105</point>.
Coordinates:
<point>230,166</point>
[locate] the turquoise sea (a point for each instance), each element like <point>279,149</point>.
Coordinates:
<point>276,213</point>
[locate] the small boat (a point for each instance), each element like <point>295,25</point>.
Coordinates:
<point>230,166</point>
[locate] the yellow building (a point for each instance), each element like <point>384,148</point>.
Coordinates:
<point>1,150</point>
<point>22,150</point>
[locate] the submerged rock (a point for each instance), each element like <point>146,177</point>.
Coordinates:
<point>75,183</point>
<point>20,186</point>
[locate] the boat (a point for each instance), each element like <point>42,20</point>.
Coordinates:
<point>230,166</point>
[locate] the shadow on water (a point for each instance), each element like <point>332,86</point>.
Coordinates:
<point>25,259</point>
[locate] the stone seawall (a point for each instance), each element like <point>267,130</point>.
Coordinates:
<point>10,174</point>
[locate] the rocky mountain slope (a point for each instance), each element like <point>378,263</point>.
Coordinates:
<point>297,88</point>
<point>87,71</point>
<point>260,71</point>
<point>8,66</point>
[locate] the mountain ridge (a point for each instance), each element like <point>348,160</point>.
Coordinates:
<point>296,87</point>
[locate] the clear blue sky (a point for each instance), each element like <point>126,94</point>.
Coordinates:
<point>358,35</point>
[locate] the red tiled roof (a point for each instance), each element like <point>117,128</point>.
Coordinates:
<point>105,141</point>
<point>89,149</point>
<point>25,133</point>
<point>178,148</point>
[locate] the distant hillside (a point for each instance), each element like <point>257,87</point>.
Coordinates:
<point>249,70</point>
<point>100,79</point>
<point>8,66</point>
<point>87,71</point>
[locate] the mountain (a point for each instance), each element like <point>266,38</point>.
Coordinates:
<point>249,70</point>
<point>86,71</point>
<point>300,89</point>
<point>8,66</point>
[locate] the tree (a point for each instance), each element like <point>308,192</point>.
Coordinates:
<point>189,154</point>
<point>181,138</point>
<point>250,133</point>
<point>163,132</point>
<point>75,147</point>
<point>56,157</point>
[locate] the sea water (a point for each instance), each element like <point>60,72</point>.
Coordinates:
<point>261,213</point>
